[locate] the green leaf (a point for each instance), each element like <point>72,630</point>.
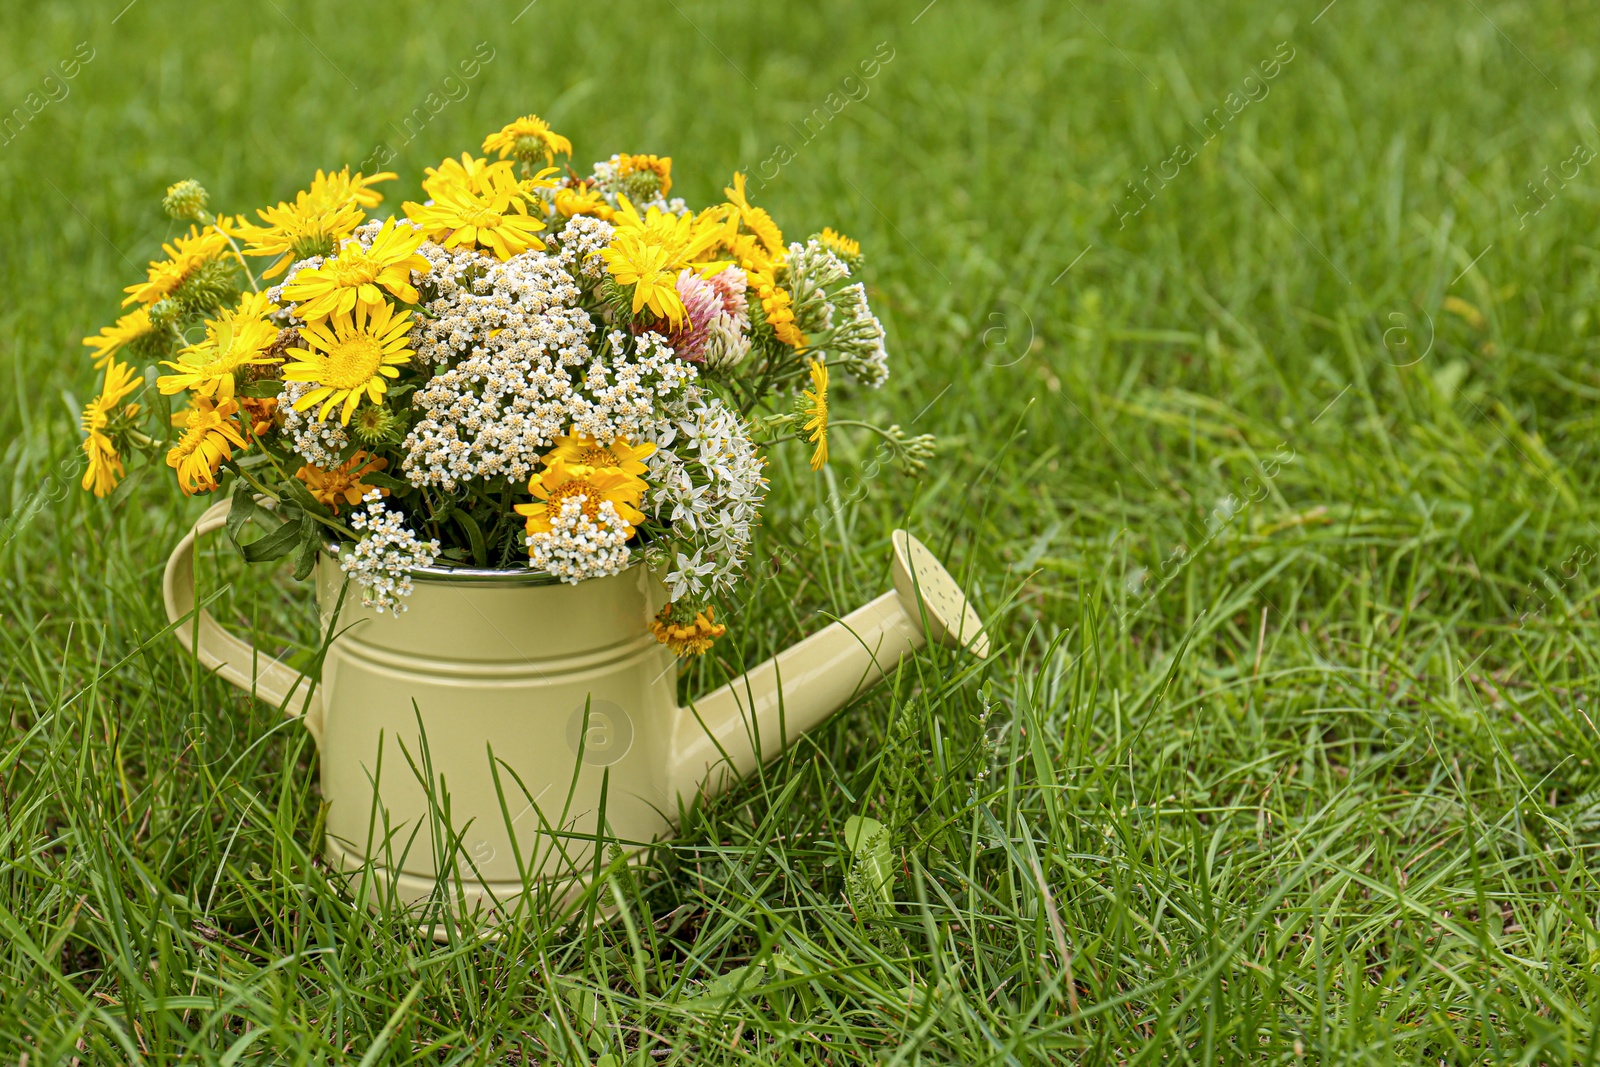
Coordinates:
<point>305,554</point>
<point>243,508</point>
<point>739,980</point>
<point>869,844</point>
<point>384,481</point>
<point>278,543</point>
<point>264,388</point>
<point>586,1007</point>
<point>480,554</point>
<point>295,490</point>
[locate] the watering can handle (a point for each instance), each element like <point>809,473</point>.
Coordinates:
<point>235,660</point>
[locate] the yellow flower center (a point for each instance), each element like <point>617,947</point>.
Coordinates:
<point>598,457</point>
<point>577,487</point>
<point>352,362</point>
<point>226,356</point>
<point>193,437</point>
<point>482,218</point>
<point>354,268</point>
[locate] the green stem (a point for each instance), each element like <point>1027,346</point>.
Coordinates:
<point>211,220</point>
<point>885,434</point>
<point>276,497</point>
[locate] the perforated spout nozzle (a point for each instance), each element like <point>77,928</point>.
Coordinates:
<point>727,733</point>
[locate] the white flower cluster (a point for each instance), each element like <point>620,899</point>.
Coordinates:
<point>382,561</point>
<point>813,267</point>
<point>452,320</point>
<point>511,337</point>
<point>705,479</point>
<point>626,396</point>
<point>318,441</point>
<point>727,343</point>
<point>859,337</point>
<point>577,547</point>
<point>579,242</point>
<point>814,264</point>
<point>842,318</point>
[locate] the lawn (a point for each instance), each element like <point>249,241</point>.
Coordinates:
<point>1260,342</point>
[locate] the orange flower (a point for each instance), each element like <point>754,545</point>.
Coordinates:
<point>344,481</point>
<point>263,412</point>
<point>660,166</point>
<point>210,434</point>
<point>693,638</point>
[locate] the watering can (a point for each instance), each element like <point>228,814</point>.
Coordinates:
<point>508,707</point>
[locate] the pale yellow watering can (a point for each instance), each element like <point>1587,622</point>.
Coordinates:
<point>567,687</point>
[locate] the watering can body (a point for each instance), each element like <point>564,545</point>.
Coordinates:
<point>490,731</point>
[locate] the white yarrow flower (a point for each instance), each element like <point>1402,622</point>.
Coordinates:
<point>382,561</point>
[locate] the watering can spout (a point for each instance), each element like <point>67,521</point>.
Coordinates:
<point>729,732</point>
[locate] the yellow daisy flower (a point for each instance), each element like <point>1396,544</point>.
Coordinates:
<point>496,219</point>
<point>648,251</point>
<point>321,216</point>
<point>647,268</point>
<point>755,219</point>
<point>661,166</point>
<point>210,434</point>
<point>687,238</point>
<point>334,287</point>
<point>526,139</point>
<point>183,256</point>
<point>583,199</point>
<point>843,246</point>
<point>693,638</point>
<point>342,482</point>
<point>818,410</point>
<point>131,327</point>
<point>104,465</point>
<point>748,251</point>
<point>759,253</point>
<point>559,482</point>
<point>237,338</point>
<point>349,357</point>
<point>355,187</point>
<point>580,451</point>
<point>467,175</point>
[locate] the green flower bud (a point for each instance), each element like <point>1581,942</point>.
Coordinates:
<point>640,187</point>
<point>374,424</point>
<point>528,148</point>
<point>209,286</point>
<point>164,314</point>
<point>185,201</point>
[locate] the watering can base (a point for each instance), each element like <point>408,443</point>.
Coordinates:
<point>486,902</point>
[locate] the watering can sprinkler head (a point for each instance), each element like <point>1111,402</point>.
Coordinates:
<point>727,733</point>
<point>921,580</point>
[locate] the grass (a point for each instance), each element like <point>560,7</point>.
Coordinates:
<point>1277,495</point>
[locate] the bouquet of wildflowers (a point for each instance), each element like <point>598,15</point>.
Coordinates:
<point>529,367</point>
